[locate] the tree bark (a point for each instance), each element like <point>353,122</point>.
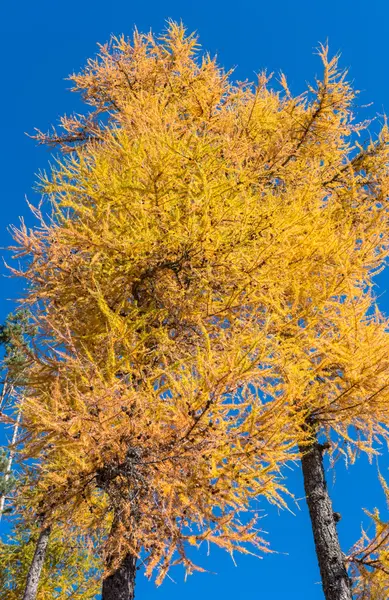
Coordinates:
<point>120,585</point>
<point>11,457</point>
<point>334,576</point>
<point>35,570</point>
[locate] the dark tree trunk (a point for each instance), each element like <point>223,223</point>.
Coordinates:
<point>35,570</point>
<point>335,580</point>
<point>120,585</point>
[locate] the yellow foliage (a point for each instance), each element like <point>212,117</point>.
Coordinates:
<point>203,291</point>
<point>369,558</point>
<point>72,568</point>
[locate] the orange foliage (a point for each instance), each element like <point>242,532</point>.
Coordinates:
<point>203,290</point>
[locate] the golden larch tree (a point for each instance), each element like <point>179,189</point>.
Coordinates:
<point>203,292</point>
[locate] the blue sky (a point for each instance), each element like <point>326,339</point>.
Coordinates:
<point>44,41</point>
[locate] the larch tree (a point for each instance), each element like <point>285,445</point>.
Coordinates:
<point>203,296</point>
<point>34,562</point>
<point>71,567</point>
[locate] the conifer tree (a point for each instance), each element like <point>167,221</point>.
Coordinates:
<point>31,566</point>
<point>203,294</point>
<point>71,567</point>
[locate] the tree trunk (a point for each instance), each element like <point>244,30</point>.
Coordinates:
<point>335,580</point>
<point>35,570</point>
<point>11,457</point>
<point>120,585</point>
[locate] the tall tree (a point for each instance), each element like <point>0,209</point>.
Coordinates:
<point>169,455</point>
<point>204,299</point>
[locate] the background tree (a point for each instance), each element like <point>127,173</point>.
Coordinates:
<point>68,565</point>
<point>368,559</point>
<point>208,265</point>
<point>72,568</point>
<point>14,339</point>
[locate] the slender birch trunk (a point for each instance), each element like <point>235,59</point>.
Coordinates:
<point>120,585</point>
<point>10,458</point>
<point>35,570</point>
<point>335,580</point>
<point>4,392</point>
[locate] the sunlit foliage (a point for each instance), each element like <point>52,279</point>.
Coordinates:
<point>72,567</point>
<point>369,558</point>
<point>203,294</point>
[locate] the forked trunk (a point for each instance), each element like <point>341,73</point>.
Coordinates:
<point>35,570</point>
<point>335,580</point>
<point>120,585</point>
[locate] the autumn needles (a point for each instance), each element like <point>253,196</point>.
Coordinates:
<point>203,298</point>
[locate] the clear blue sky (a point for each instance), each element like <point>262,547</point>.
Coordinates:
<point>44,41</point>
